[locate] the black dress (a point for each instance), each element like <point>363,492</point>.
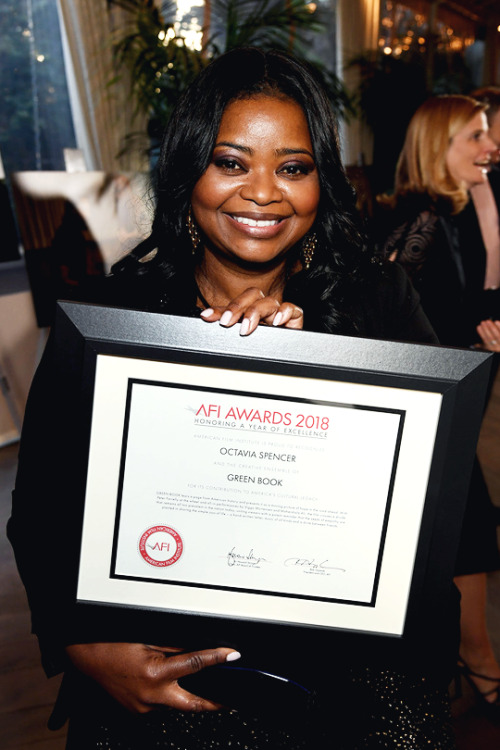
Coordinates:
<point>445,258</point>
<point>364,693</point>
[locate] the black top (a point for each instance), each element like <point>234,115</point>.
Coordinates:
<point>445,257</point>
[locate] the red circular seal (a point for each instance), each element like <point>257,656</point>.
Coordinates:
<point>160,546</point>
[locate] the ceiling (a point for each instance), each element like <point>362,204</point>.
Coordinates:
<point>483,11</point>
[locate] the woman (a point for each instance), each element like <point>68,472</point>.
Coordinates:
<point>433,232</point>
<point>446,153</point>
<point>486,198</point>
<point>255,224</point>
<point>490,95</point>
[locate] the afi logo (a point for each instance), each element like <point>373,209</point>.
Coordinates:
<point>160,546</point>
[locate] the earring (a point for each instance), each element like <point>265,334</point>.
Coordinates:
<point>308,248</point>
<point>193,231</point>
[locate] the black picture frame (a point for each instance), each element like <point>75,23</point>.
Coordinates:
<point>85,333</point>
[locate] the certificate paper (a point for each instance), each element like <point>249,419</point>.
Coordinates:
<point>254,495</point>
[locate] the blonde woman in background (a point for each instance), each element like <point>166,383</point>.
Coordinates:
<point>486,198</point>
<point>431,228</point>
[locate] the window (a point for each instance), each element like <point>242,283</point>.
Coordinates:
<point>35,115</point>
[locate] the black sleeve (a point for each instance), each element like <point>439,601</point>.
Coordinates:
<point>411,243</point>
<point>47,514</point>
<point>44,527</point>
<point>392,308</point>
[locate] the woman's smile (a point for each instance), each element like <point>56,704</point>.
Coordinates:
<point>258,225</point>
<point>469,154</point>
<point>259,196</point>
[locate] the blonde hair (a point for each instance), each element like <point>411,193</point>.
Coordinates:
<point>489,95</point>
<point>422,166</point>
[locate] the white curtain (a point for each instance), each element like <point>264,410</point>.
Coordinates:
<point>358,32</point>
<point>103,111</point>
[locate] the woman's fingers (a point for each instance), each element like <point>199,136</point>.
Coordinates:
<point>253,308</point>
<point>170,693</point>
<point>143,677</point>
<point>290,316</point>
<point>489,331</point>
<point>270,312</point>
<point>238,307</point>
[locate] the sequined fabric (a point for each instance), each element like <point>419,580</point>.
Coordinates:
<point>375,709</point>
<point>404,712</point>
<point>184,731</point>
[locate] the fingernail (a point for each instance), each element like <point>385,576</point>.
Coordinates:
<point>277,319</point>
<point>233,656</point>
<point>207,313</point>
<point>245,325</point>
<point>226,318</point>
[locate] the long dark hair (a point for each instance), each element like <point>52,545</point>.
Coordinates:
<point>325,289</point>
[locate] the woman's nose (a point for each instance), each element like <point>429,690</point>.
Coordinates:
<point>490,144</point>
<point>261,188</point>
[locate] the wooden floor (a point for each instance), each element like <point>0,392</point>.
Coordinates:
<point>26,696</point>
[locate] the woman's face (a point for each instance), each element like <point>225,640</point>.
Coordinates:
<point>259,196</point>
<point>494,133</point>
<point>469,152</point>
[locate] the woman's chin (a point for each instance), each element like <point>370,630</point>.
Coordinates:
<point>258,262</point>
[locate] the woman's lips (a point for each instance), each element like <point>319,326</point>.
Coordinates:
<point>255,222</point>
<point>263,227</point>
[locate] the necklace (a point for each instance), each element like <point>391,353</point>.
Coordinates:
<point>200,296</point>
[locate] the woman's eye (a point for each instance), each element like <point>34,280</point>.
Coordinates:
<point>229,165</point>
<point>294,170</point>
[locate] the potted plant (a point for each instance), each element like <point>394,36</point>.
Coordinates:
<point>161,64</point>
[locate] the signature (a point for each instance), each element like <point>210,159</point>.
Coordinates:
<point>310,564</point>
<point>234,558</point>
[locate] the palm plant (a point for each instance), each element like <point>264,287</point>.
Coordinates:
<point>277,24</point>
<point>262,23</point>
<point>161,64</point>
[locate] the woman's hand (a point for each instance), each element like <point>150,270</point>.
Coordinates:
<point>252,307</point>
<point>143,677</point>
<point>489,331</point>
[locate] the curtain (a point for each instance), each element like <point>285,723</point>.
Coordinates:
<point>103,110</point>
<point>358,31</point>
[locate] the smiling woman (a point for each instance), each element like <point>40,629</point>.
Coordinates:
<point>432,230</point>
<point>260,193</point>
<point>255,225</point>
<point>469,153</point>
<point>257,199</point>
<point>434,233</point>
<point>253,201</point>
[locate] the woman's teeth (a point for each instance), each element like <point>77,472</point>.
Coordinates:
<point>254,222</point>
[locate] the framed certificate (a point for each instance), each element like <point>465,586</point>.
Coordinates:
<point>286,478</point>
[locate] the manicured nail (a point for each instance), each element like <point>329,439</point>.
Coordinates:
<point>245,325</point>
<point>226,318</point>
<point>207,313</point>
<point>277,319</point>
<point>233,656</point>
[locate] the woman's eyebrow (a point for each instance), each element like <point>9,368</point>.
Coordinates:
<point>278,151</point>
<point>237,146</point>
<point>291,151</point>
